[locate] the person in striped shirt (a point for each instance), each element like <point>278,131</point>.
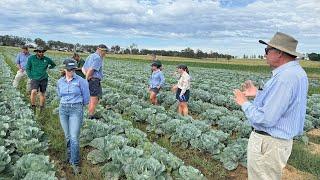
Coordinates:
<point>278,111</point>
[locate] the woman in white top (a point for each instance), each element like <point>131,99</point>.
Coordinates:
<point>182,89</point>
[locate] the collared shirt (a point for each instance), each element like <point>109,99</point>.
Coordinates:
<point>74,91</point>
<point>280,108</point>
<point>184,83</point>
<point>156,79</point>
<point>22,59</point>
<point>95,62</point>
<point>37,67</point>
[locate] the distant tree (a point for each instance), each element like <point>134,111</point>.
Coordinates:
<point>199,54</point>
<point>133,46</point>
<point>112,49</point>
<point>188,52</point>
<point>7,40</point>
<point>135,51</point>
<point>127,51</point>
<point>117,48</point>
<point>314,56</point>
<point>40,42</point>
<point>261,57</point>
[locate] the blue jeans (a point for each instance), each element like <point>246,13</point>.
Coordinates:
<point>71,118</point>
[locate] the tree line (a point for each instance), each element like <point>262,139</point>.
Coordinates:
<point>8,40</point>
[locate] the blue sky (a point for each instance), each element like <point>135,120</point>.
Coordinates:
<point>226,26</point>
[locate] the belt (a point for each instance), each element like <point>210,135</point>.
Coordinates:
<point>95,78</point>
<point>71,104</point>
<point>262,132</point>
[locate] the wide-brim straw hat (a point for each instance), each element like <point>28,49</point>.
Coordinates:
<point>283,42</point>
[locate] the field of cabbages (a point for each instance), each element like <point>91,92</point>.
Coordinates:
<point>137,140</point>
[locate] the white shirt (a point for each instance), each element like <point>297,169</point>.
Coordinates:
<point>184,83</point>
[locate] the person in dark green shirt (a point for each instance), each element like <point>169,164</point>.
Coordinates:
<point>80,63</point>
<point>36,69</point>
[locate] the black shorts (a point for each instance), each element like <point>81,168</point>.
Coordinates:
<point>95,87</point>
<point>185,97</point>
<point>155,90</point>
<point>39,85</point>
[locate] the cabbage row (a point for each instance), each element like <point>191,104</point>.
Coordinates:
<point>184,131</point>
<point>121,150</point>
<point>126,152</point>
<point>212,90</point>
<point>22,143</point>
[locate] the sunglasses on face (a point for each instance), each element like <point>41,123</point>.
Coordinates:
<point>70,70</point>
<point>266,50</point>
<point>41,52</point>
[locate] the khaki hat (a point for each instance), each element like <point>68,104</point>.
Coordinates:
<point>283,42</point>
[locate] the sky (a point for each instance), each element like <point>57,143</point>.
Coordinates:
<point>225,26</point>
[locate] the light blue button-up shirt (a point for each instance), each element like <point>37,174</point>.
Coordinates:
<point>95,62</point>
<point>22,59</point>
<point>156,79</point>
<point>74,91</point>
<point>280,108</point>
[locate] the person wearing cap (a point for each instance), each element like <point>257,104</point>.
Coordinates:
<point>156,81</point>
<point>182,89</point>
<point>36,68</point>
<point>73,92</point>
<point>80,63</point>
<point>277,112</point>
<point>21,61</point>
<point>92,69</point>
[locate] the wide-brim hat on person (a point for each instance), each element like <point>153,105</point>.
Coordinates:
<point>283,42</point>
<point>103,47</point>
<point>39,49</point>
<point>70,64</point>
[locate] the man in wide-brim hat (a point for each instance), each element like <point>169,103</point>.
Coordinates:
<point>278,111</point>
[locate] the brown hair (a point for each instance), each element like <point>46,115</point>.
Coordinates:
<point>183,67</point>
<point>62,72</point>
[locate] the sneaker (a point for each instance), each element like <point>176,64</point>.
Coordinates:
<point>76,169</point>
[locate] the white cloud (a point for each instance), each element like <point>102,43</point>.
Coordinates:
<point>176,20</point>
